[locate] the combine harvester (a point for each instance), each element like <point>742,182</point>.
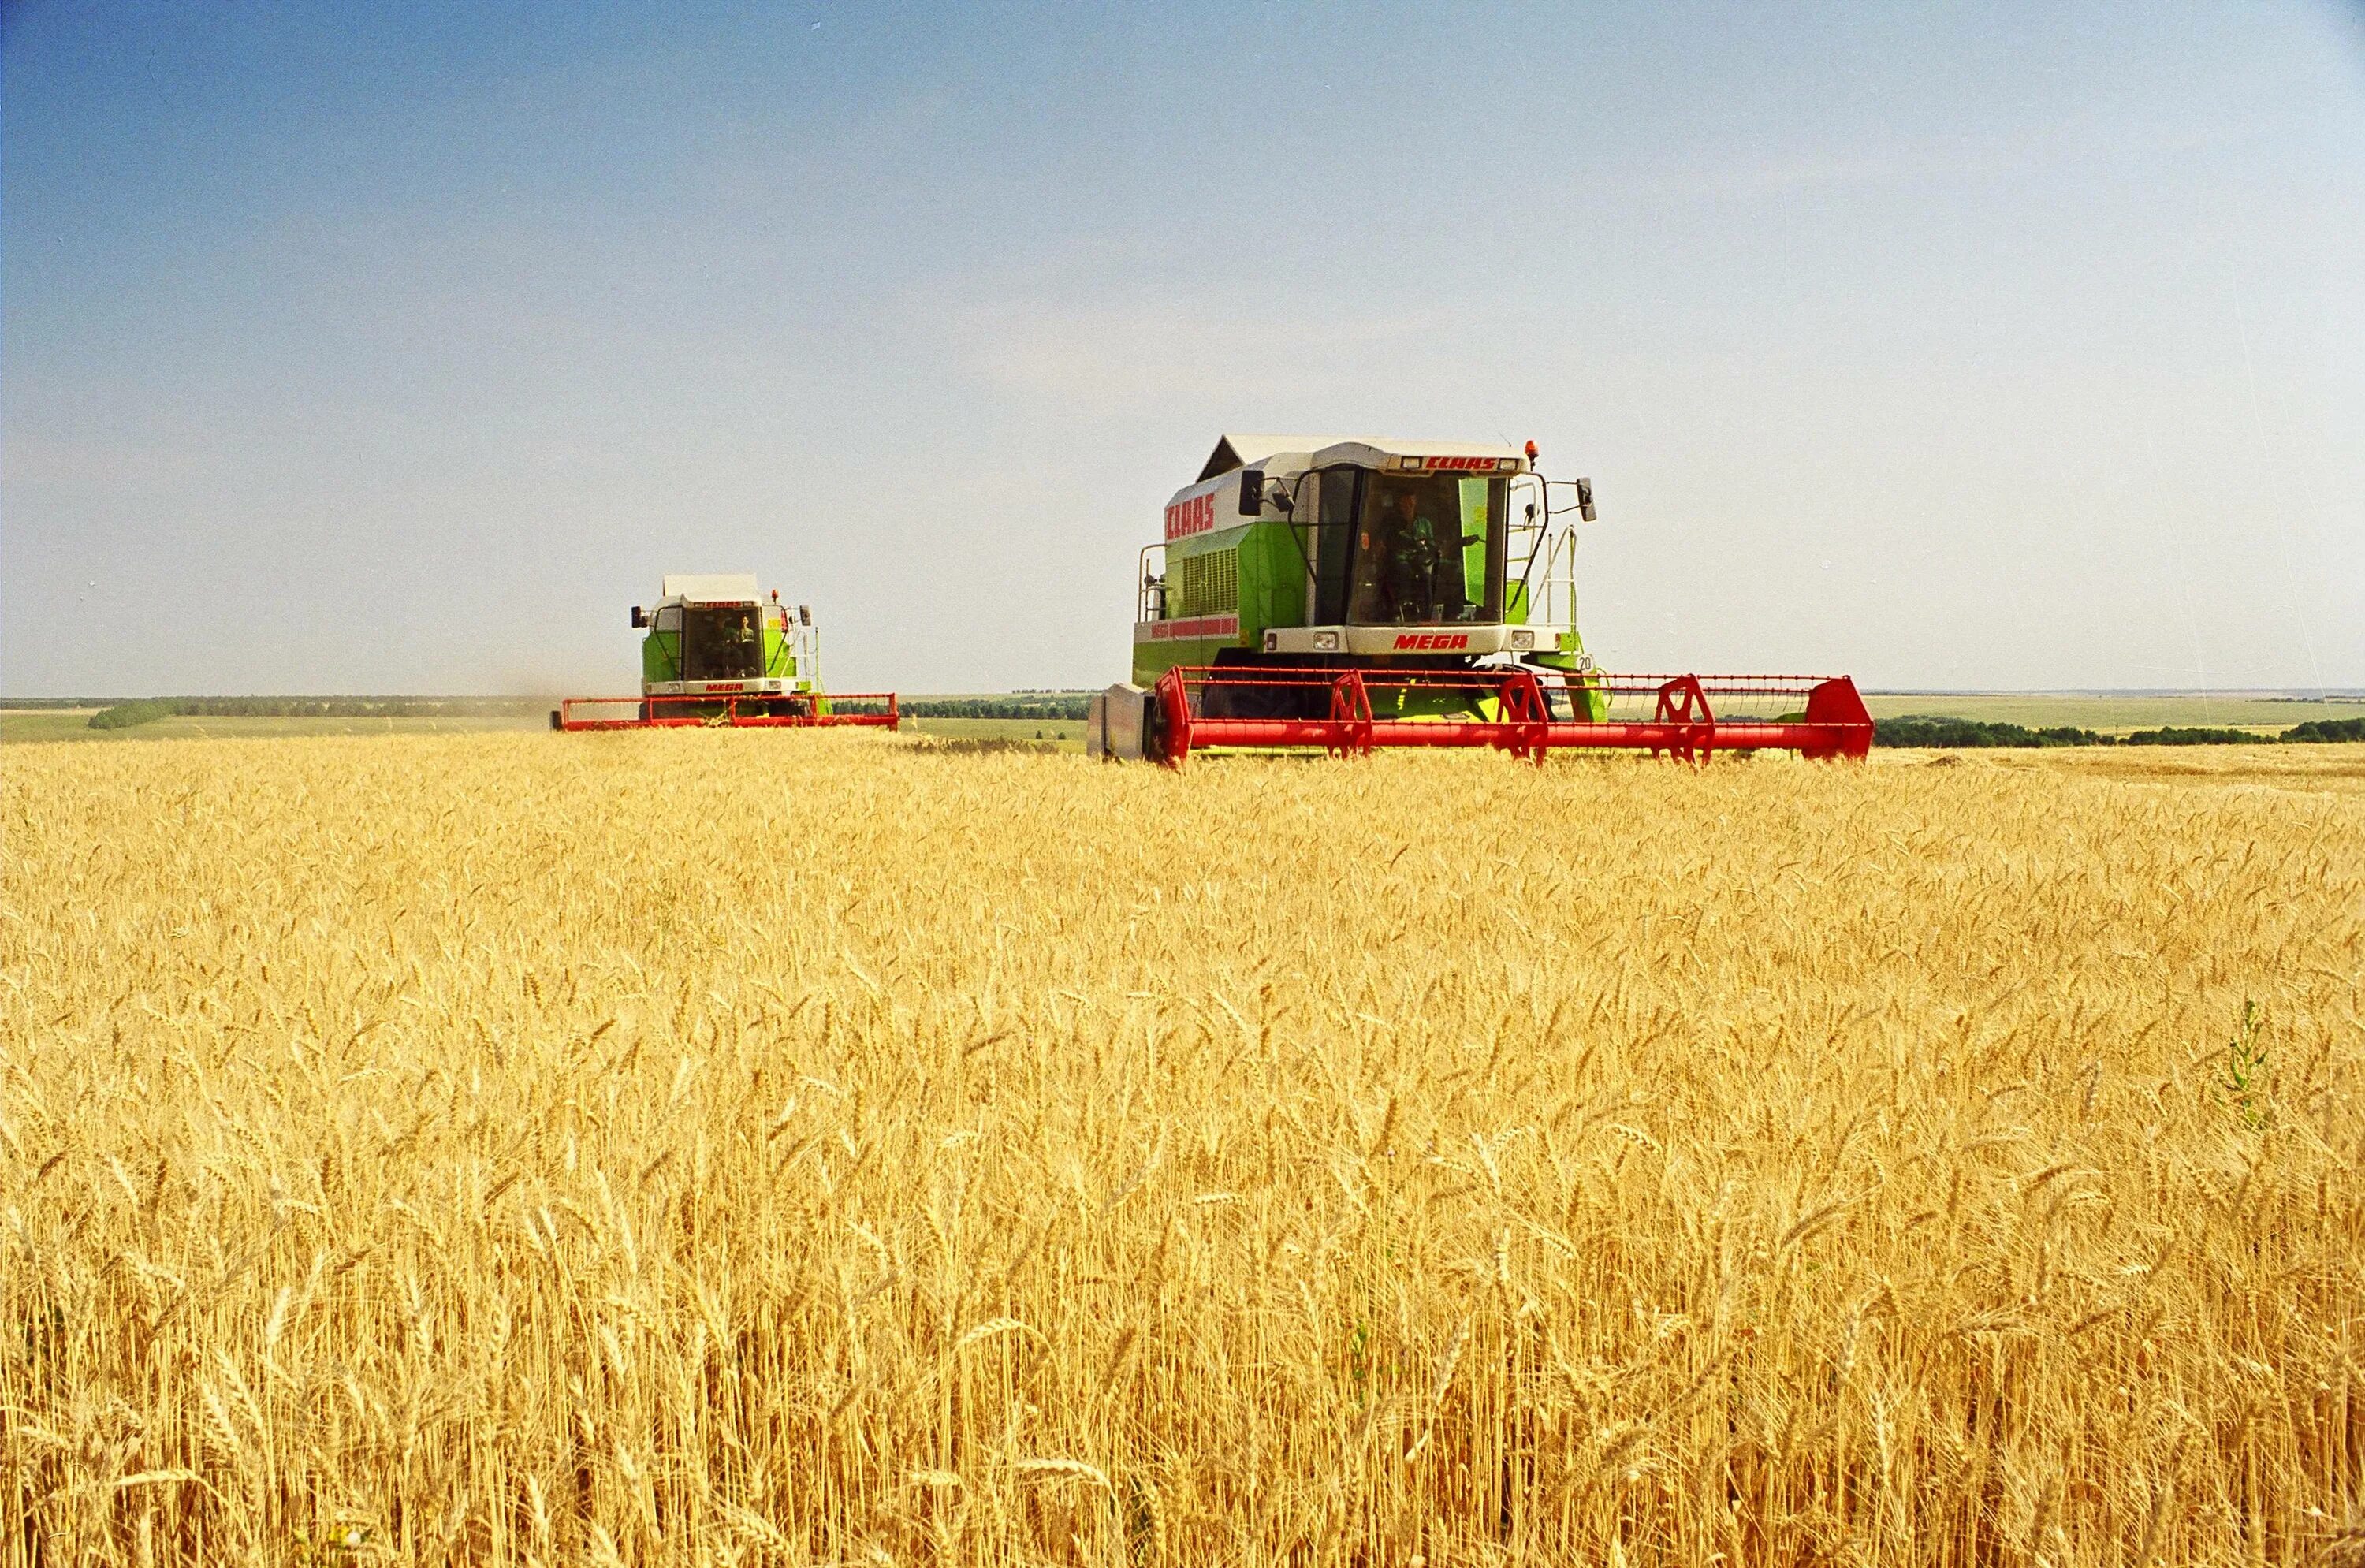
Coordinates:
<point>718,654</point>
<point>1350,593</point>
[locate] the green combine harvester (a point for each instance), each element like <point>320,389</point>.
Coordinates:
<point>1351,592</point>
<point>718,653</point>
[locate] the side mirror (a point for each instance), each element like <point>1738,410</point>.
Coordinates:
<point>804,614</point>
<point>1531,511</point>
<point>640,616</point>
<point>1585,500</point>
<point>1251,492</point>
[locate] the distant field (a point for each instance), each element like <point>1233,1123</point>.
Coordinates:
<point>73,724</point>
<point>1067,733</point>
<point>2114,713</point>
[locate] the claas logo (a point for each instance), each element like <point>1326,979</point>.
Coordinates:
<point>1464,464</point>
<point>1194,516</point>
<point>1432,642</point>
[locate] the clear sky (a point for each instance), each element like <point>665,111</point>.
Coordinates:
<point>400,348</point>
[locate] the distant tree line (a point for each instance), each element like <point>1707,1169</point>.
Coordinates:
<point>1938,733</point>
<point>123,716</point>
<point>2328,730</point>
<point>1048,705</point>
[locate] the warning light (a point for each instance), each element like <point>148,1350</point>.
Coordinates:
<point>1532,452</point>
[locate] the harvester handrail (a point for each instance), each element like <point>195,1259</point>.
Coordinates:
<point>1144,578</point>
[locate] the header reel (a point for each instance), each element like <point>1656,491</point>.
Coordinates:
<point>1526,711</point>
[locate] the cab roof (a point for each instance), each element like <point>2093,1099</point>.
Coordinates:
<point>1239,449</point>
<point>710,587</point>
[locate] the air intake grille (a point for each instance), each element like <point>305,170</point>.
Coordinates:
<point>1207,585</point>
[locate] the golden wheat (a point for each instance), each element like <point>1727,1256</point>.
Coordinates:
<point>709,1146</point>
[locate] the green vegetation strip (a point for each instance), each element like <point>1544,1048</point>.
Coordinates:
<point>123,716</point>
<point>1937,731</point>
<point>2328,730</point>
<point>1051,705</point>
<point>2172,735</point>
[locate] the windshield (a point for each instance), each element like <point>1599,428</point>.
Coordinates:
<point>722,642</point>
<point>1429,548</point>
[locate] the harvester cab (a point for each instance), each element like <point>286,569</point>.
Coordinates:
<point>1350,592</point>
<point>1297,550</point>
<point>717,652</point>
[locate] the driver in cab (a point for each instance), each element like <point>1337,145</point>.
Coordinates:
<point>1392,577</point>
<point>1396,561</point>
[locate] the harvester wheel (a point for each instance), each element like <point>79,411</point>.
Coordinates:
<point>1153,730</point>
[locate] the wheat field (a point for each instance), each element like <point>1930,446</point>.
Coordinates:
<point>701,1147</point>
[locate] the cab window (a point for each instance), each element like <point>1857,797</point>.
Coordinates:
<point>1428,549</point>
<point>722,642</point>
<point>1334,537</point>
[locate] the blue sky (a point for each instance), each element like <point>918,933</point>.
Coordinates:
<point>347,348</point>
